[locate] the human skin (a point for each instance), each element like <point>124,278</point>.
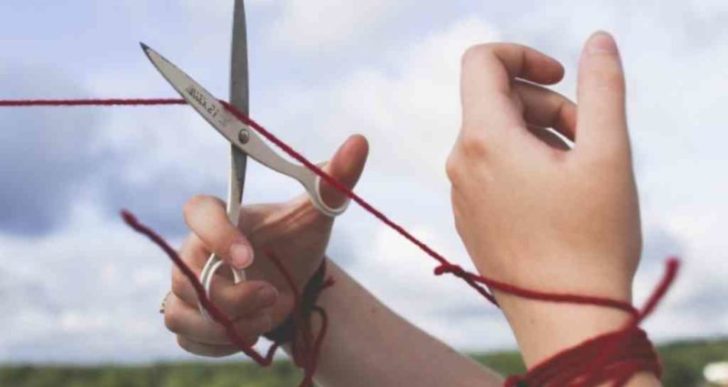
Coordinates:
<point>532,214</point>
<point>294,231</point>
<point>366,343</point>
<point>537,214</point>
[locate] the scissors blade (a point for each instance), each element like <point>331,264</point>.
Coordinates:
<point>239,97</point>
<point>196,96</point>
<point>239,61</point>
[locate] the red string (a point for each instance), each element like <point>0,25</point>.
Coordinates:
<point>305,356</point>
<point>474,280</point>
<point>567,368</point>
<point>214,312</point>
<point>614,356</point>
<point>92,102</point>
<point>305,353</point>
<point>611,359</point>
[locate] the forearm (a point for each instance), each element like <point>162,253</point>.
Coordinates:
<point>367,344</point>
<point>543,329</point>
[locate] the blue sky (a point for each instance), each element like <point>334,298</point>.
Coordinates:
<point>76,285</point>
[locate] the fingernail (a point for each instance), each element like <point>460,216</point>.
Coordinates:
<point>241,255</point>
<point>601,43</point>
<point>267,295</point>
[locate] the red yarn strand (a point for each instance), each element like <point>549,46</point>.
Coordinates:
<point>214,312</point>
<point>475,281</point>
<point>615,356</point>
<point>305,357</point>
<point>93,102</point>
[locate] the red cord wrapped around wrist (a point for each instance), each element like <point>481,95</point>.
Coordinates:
<point>620,345</point>
<point>615,356</point>
<point>286,331</point>
<point>297,329</point>
<point>630,352</point>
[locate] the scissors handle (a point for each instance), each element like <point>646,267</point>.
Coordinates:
<point>251,143</point>
<point>253,146</point>
<point>214,262</point>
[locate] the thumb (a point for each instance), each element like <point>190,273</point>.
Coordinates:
<point>346,166</point>
<point>601,120</point>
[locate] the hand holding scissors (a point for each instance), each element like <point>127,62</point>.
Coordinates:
<point>244,142</point>
<point>295,231</point>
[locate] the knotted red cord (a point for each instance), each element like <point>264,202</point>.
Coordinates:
<point>305,347</point>
<point>477,282</point>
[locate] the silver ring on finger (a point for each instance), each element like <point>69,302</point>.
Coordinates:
<point>164,302</point>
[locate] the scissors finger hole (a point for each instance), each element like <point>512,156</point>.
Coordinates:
<point>208,274</point>
<point>321,205</point>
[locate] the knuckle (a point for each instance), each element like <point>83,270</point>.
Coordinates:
<point>172,320</point>
<point>191,245</point>
<point>473,55</point>
<point>187,345</point>
<point>218,334</point>
<point>473,143</point>
<point>227,304</point>
<point>179,283</point>
<point>200,201</point>
<point>184,344</point>
<point>476,54</point>
<point>453,169</point>
<point>458,226</point>
<point>194,203</point>
<point>248,298</point>
<point>610,78</point>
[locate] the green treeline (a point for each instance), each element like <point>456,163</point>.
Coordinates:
<point>683,363</point>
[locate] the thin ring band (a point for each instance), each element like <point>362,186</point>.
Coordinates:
<point>164,302</point>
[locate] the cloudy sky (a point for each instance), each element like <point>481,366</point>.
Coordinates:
<point>77,285</point>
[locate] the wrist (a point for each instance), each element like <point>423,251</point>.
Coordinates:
<point>298,320</point>
<point>544,328</point>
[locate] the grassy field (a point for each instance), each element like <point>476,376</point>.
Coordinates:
<point>683,362</point>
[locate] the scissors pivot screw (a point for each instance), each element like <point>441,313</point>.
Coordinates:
<point>243,136</point>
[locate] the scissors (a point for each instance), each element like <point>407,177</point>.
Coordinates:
<point>244,141</point>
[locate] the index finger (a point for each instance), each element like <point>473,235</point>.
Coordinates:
<point>207,218</point>
<point>486,76</point>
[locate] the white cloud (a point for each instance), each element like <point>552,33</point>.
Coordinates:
<point>316,24</point>
<point>86,293</point>
<point>409,112</point>
<point>72,291</point>
<point>402,276</point>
